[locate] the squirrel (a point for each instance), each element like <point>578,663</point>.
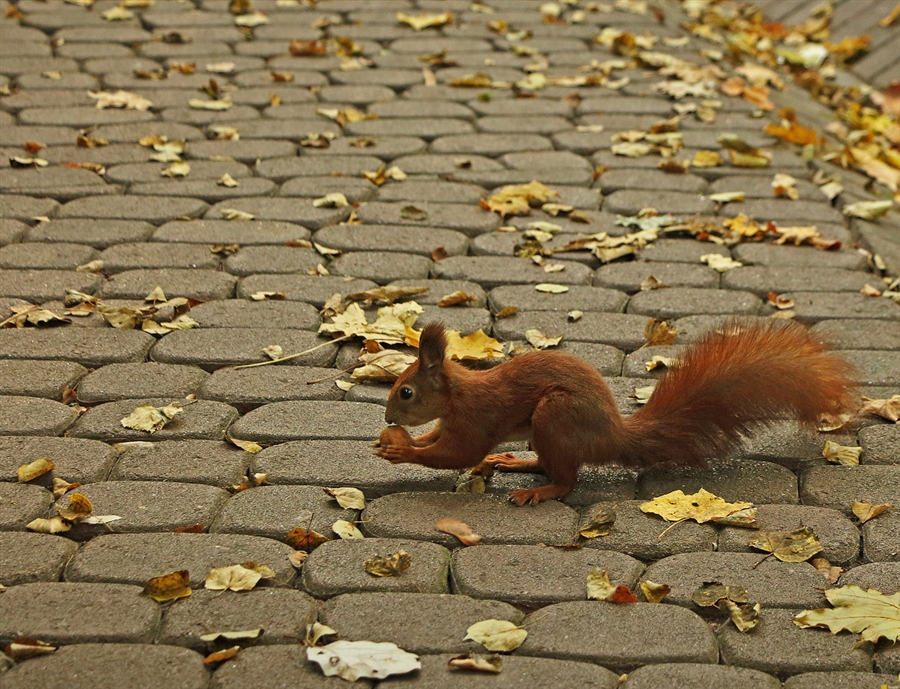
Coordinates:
<point>734,378</point>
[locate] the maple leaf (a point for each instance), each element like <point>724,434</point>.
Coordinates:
<point>871,613</point>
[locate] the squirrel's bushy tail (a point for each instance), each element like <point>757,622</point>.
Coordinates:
<point>737,377</point>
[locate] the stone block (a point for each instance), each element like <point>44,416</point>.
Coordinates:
<point>133,381</point>
<point>27,557</point>
<point>310,420</point>
<point>211,462</point>
<point>36,378</point>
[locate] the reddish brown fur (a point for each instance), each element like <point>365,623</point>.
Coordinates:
<point>727,383</point>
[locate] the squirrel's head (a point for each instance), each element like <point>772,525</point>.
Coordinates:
<point>419,395</point>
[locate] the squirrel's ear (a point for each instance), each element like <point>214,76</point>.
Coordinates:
<point>432,347</point>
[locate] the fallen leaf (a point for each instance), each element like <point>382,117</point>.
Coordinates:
<point>865,511</point>
<point>120,99</point>
<point>148,418</point>
<point>252,19</point>
<point>246,445</point>
<point>384,366</point>
<point>23,648</point>
<point>411,212</point>
<point>788,546</point>
<point>479,663</point>
<point>117,14</point>
<point>227,180</point>
<point>868,210</point>
<point>224,133</point>
<point>659,333</point>
<point>221,656</point>
<point>701,506</point>
<point>348,498</point>
<point>831,572</point>
<point>352,660</point>
<point>267,296</point>
<point>332,200</point>
<point>53,525</point>
<point>871,613</point>
<point>423,21</point>
<point>39,467</point>
<point>307,48</point>
<point>456,298</point>
<point>232,578</point>
<point>886,408</point>
<point>654,593</point>
<point>235,214</point>
<point>551,288</point>
<point>727,196</point>
<point>459,529</point>
<point>218,105</point>
<point>346,530</point>
<point>658,361</point>
<point>90,141</point>
<point>599,587</point>
<point>390,565</point>
<point>497,635</point>
<point>20,162</point>
<point>515,199</point>
<point>169,586</point>
<point>538,340</point>
<point>303,539</point>
<point>179,169</point>
<point>706,159</point>
<point>720,263</point>
<point>841,454</point>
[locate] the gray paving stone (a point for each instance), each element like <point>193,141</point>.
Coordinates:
<point>283,169</point>
<point>579,297</point>
<point>413,515</point>
<point>203,285</point>
<point>25,207</point>
<point>761,187</point>
<point>629,276</point>
<point>494,271</point>
<point>137,557</point>
<point>813,306</point>
<point>674,302</point>
<point>114,154</point>
<point>148,505</point>
<point>405,238</point>
<point>22,503</point>
<point>282,614</point>
<point>47,181</point>
<point>298,210</point>
<point>630,202</point>
<point>771,583</point>
<point>382,267</point>
<point>878,575</point>
<point>386,148</point>
<point>77,460</point>
<point>425,128</point>
<point>418,109</point>
<point>313,289</point>
<point>187,461</point>
<point>37,378</point>
<point>107,666</point>
<point>875,367</point>
<point>491,145</point>
<point>248,388</point>
<point>780,646</point>
<point>34,416</point>
<point>881,444</point>
<point>838,535</point>
<point>206,189</point>
<point>641,535</point>
<point>272,259</point>
<point>354,190</point>
<point>214,232</point>
<point>471,221</point>
<point>770,255</point>
<point>282,664</point>
<point>879,538</point>
<point>439,191</point>
<point>787,212</point>
<point>44,285</point>
<point>336,567</point>
<point>700,676</point>
<point>551,176</point>
<point>131,381</point>
<point>238,313</point>
<point>243,151</point>
<point>200,420</point>
<point>752,481</point>
<point>150,255</point>
<point>132,208</point>
<point>534,575</point>
<point>624,331</point>
<point>96,233</point>
<point>212,348</point>
<point>347,463</point>
<point>464,319</point>
<point>272,511</point>
<point>438,289</point>
<point>841,680</point>
<point>441,164</point>
<point>64,613</point>
<point>654,180</point>
<point>12,231</point>
<point>86,346</point>
<point>28,557</point>
<point>310,420</point>
<point>621,637</point>
<point>859,333</point>
<point>442,619</point>
<point>787,443</point>
<point>764,279</point>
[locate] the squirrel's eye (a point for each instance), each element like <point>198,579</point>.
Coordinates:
<point>406,393</point>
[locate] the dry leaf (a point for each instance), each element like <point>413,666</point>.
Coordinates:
<point>659,333</point>
<point>252,19</point>
<point>423,21</point>
<point>720,263</point>
<point>390,326</point>
<point>120,99</point>
<point>865,511</point>
<point>788,546</point>
<point>497,635</point>
<point>599,587</point>
<point>348,498</point>
<point>886,408</point>
<point>303,539</point>
<point>479,663</point>
<point>332,200</point>
<point>456,298</point>
<point>218,105</point>
<point>169,586</point>
<point>870,612</point>
<point>346,530</point>
<point>868,210</point>
<point>180,169</point>
<point>538,340</point>
<point>232,578</point>
<point>551,288</point>
<point>23,648</point>
<point>515,199</point>
<point>461,530</point>
<point>654,593</point>
<point>246,445</point>
<point>266,296</point>
<point>841,454</point>
<point>702,506</point>
<point>830,572</point>
<point>39,467</point>
<point>598,523</point>
<point>227,180</point>
<point>411,212</point>
<point>384,366</point>
<point>390,565</point>
<point>148,418</point>
<point>224,133</point>
<point>352,660</point>
<point>53,525</point>
<point>235,214</point>
<point>706,159</point>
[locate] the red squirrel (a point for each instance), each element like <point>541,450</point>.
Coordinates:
<point>731,380</point>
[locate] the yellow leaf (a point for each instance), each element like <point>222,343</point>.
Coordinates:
<point>39,467</point>
<point>841,454</point>
<point>497,635</point>
<point>348,498</point>
<point>515,199</point>
<point>346,530</point>
<point>169,586</point>
<point>865,511</point>
<point>423,21</point>
<point>232,578</point>
<point>702,506</point>
<point>148,418</point>
<point>788,546</point>
<point>871,613</point>
<point>390,566</point>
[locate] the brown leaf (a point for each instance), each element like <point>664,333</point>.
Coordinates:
<point>221,656</point>
<point>22,648</point>
<point>169,586</point>
<point>33,147</point>
<point>865,511</point>
<point>39,467</point>
<point>456,298</point>
<point>307,48</point>
<point>302,539</point>
<point>389,566</point>
<point>461,530</point>
<point>506,312</point>
<point>659,333</point>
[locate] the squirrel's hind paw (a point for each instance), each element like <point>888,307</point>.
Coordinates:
<point>534,495</point>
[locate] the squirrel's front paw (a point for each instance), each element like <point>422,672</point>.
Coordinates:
<point>395,453</point>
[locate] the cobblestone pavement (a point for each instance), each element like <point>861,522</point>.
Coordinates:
<point>65,389</point>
